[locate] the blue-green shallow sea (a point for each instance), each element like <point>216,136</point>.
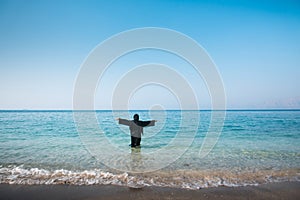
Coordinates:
<point>45,147</point>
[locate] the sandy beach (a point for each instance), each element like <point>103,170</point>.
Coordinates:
<point>285,190</point>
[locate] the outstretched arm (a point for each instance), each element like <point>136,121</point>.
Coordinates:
<point>147,123</point>
<point>123,121</point>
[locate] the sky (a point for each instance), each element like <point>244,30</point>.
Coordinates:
<point>254,44</point>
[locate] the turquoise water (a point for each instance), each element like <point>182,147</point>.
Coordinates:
<point>45,147</point>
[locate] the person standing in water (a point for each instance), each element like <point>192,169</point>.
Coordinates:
<point>136,128</point>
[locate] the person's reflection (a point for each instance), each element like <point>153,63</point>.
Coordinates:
<point>136,159</point>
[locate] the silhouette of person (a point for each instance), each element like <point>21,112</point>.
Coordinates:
<point>136,128</point>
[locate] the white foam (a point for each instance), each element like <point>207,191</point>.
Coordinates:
<point>21,175</point>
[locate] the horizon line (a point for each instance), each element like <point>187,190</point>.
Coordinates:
<point>71,110</point>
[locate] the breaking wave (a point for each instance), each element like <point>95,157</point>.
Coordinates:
<point>177,178</point>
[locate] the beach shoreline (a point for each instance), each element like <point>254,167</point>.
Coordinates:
<point>283,190</point>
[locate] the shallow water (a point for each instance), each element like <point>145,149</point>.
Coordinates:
<point>47,147</point>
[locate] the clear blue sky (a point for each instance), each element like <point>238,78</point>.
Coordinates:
<point>255,44</point>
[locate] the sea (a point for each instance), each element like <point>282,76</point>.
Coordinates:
<point>249,147</point>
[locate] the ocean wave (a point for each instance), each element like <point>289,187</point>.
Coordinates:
<point>20,175</point>
<point>177,178</point>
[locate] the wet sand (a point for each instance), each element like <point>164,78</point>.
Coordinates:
<point>286,190</point>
